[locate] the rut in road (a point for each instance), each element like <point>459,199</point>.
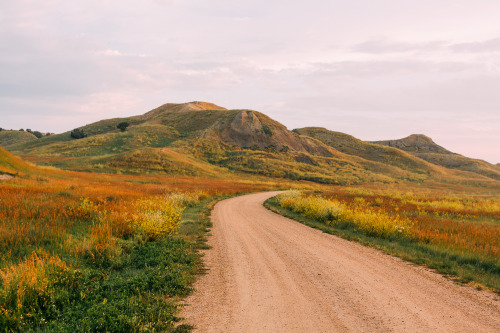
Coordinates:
<point>267,273</point>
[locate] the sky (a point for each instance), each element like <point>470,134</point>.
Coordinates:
<point>377,70</point>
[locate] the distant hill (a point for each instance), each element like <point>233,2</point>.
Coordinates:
<point>8,138</point>
<point>370,151</point>
<point>201,138</point>
<point>183,129</point>
<point>417,143</point>
<point>423,147</point>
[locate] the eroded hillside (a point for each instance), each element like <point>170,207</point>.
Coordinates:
<point>201,138</point>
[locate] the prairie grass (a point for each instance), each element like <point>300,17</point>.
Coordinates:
<point>458,235</point>
<point>100,252</point>
<point>333,212</point>
<point>157,217</point>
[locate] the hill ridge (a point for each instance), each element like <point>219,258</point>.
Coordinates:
<point>240,140</point>
<point>416,143</point>
<point>425,148</point>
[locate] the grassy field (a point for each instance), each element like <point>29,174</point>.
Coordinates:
<point>457,235</point>
<point>115,252</point>
<point>99,252</point>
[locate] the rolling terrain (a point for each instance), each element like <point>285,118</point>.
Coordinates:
<point>203,139</point>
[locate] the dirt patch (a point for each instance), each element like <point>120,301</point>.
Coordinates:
<point>6,177</point>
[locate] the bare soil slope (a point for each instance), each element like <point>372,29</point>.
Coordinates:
<point>271,274</point>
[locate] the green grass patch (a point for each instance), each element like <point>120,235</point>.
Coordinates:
<point>136,291</point>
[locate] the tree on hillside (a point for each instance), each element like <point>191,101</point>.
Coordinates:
<point>123,126</point>
<point>78,133</point>
<point>37,134</point>
<point>1,129</point>
<point>21,130</point>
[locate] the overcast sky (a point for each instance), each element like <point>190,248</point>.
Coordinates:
<point>374,69</point>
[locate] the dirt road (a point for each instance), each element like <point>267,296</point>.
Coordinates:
<point>270,274</point>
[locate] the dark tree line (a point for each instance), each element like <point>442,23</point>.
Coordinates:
<point>38,134</point>
<point>35,133</point>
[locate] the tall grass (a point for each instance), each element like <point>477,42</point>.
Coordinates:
<point>97,252</point>
<point>459,236</point>
<point>334,212</point>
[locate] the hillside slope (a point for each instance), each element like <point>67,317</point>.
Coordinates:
<point>12,165</point>
<point>423,147</point>
<point>370,151</point>
<point>8,138</point>
<point>171,122</point>
<point>417,143</point>
<point>210,139</point>
<point>201,138</point>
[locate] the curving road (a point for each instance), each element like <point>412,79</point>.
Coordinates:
<point>271,274</point>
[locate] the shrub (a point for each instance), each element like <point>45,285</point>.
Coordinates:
<point>123,126</point>
<point>37,134</point>
<point>285,149</point>
<point>157,218</point>
<point>185,199</point>
<point>267,130</point>
<point>78,133</point>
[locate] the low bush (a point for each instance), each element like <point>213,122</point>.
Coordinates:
<point>78,133</point>
<point>157,218</point>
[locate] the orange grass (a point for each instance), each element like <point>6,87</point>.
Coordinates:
<point>43,208</point>
<point>450,221</point>
<point>29,281</point>
<point>54,222</point>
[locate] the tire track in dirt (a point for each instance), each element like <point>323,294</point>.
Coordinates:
<point>267,273</point>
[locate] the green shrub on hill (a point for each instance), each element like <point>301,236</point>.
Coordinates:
<point>78,133</point>
<point>123,126</point>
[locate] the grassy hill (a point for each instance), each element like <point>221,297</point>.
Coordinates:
<point>423,147</point>
<point>370,151</point>
<point>203,139</point>
<point>8,138</point>
<point>417,143</point>
<point>12,165</point>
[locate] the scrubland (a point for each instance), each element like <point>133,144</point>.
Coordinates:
<point>457,235</point>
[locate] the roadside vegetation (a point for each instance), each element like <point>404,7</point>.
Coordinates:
<point>457,235</point>
<point>94,252</point>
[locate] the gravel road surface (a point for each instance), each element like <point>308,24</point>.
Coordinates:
<point>267,273</point>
